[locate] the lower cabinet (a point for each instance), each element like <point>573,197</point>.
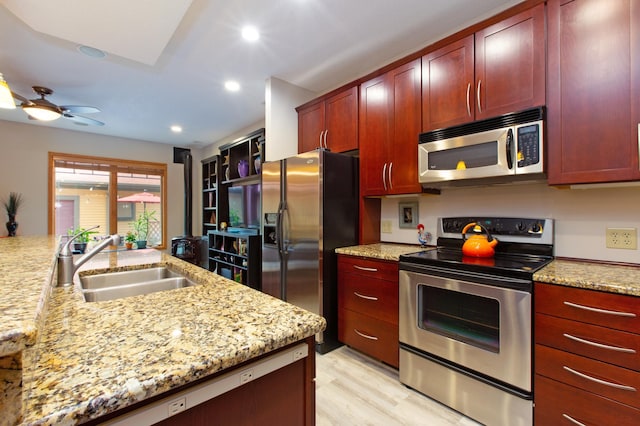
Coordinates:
<point>368,306</point>
<point>587,367</point>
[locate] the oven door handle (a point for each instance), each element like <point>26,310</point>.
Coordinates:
<point>599,345</point>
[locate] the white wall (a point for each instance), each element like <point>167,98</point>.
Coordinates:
<point>24,169</point>
<point>581,215</point>
<point>281,118</point>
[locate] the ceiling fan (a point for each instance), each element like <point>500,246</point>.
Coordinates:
<point>43,110</point>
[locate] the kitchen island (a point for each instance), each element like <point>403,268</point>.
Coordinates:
<point>89,360</point>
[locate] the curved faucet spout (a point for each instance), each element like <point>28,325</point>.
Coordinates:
<point>67,268</point>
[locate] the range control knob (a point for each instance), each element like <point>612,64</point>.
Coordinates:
<point>536,228</point>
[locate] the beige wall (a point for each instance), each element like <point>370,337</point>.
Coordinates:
<point>24,169</point>
<point>581,215</point>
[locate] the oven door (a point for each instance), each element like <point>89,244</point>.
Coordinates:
<point>478,155</point>
<point>482,327</point>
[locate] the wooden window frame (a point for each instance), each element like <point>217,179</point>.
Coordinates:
<point>115,165</point>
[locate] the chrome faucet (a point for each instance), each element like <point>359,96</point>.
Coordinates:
<point>66,267</point>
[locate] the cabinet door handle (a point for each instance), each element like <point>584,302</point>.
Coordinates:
<point>363,268</point>
<point>366,336</point>
<point>384,176</point>
<point>602,382</point>
<point>326,132</point>
<point>601,311</point>
<point>572,420</point>
<point>320,139</point>
<point>478,96</point>
<point>468,100</point>
<point>390,182</point>
<point>362,296</point>
<point>599,345</point>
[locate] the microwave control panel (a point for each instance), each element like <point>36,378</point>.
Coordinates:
<point>529,138</point>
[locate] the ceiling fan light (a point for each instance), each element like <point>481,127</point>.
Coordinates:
<point>6,98</point>
<point>42,112</point>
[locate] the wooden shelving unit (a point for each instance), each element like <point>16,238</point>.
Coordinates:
<point>244,151</point>
<point>236,256</point>
<point>215,200</point>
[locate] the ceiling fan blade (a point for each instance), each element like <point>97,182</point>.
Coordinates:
<point>20,98</point>
<point>79,109</point>
<point>78,119</point>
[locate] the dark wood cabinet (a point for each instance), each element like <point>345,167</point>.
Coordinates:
<point>586,351</point>
<point>214,195</point>
<point>330,123</point>
<point>242,159</point>
<point>497,70</point>
<point>389,123</point>
<point>593,90</point>
<point>368,306</point>
<point>236,256</point>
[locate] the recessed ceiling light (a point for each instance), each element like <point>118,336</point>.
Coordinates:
<point>250,33</point>
<point>176,129</point>
<point>92,51</point>
<point>232,86</point>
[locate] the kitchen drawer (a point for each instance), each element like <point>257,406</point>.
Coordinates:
<point>379,269</point>
<point>372,336</point>
<point>373,297</point>
<point>554,400</point>
<point>620,348</point>
<point>589,375</point>
<point>605,309</point>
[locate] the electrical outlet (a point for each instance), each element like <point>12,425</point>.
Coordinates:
<point>385,226</point>
<point>246,377</point>
<point>177,406</point>
<point>298,354</point>
<point>622,238</point>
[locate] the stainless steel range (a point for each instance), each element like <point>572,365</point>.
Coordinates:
<point>466,322</point>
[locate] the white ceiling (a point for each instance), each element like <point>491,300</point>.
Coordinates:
<point>167,60</point>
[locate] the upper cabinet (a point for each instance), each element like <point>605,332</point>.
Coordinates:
<point>389,126</point>
<point>330,123</point>
<point>497,70</point>
<point>594,91</point>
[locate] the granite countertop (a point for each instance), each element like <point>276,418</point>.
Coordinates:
<point>382,251</point>
<point>93,358</point>
<point>26,264</point>
<point>592,276</point>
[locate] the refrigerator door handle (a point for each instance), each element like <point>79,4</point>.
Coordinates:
<point>283,226</point>
<point>279,229</point>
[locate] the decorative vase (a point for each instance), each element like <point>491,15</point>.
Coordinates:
<point>257,163</point>
<point>12,225</point>
<point>243,168</point>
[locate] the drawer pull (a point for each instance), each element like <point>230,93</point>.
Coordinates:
<point>602,382</point>
<point>601,311</point>
<point>362,296</point>
<point>366,336</point>
<point>572,420</point>
<point>362,268</point>
<point>599,345</point>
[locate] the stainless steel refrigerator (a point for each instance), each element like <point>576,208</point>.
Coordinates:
<point>309,207</point>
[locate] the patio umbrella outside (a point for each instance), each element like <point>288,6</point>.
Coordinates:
<point>140,197</point>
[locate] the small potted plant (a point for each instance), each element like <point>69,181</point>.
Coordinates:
<point>129,239</point>
<point>80,243</point>
<point>12,204</point>
<point>141,227</point>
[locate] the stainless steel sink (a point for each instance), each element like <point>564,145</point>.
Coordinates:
<point>116,285</point>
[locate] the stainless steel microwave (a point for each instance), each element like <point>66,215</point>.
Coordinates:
<point>509,145</point>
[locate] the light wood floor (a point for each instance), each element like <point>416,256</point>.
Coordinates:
<point>353,389</point>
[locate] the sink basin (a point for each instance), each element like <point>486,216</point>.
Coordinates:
<point>116,285</point>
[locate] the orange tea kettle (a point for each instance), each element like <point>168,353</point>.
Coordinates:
<point>478,245</point>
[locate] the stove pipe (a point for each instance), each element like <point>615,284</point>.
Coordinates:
<point>188,207</point>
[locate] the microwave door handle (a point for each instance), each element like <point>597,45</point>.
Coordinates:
<point>510,145</point>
